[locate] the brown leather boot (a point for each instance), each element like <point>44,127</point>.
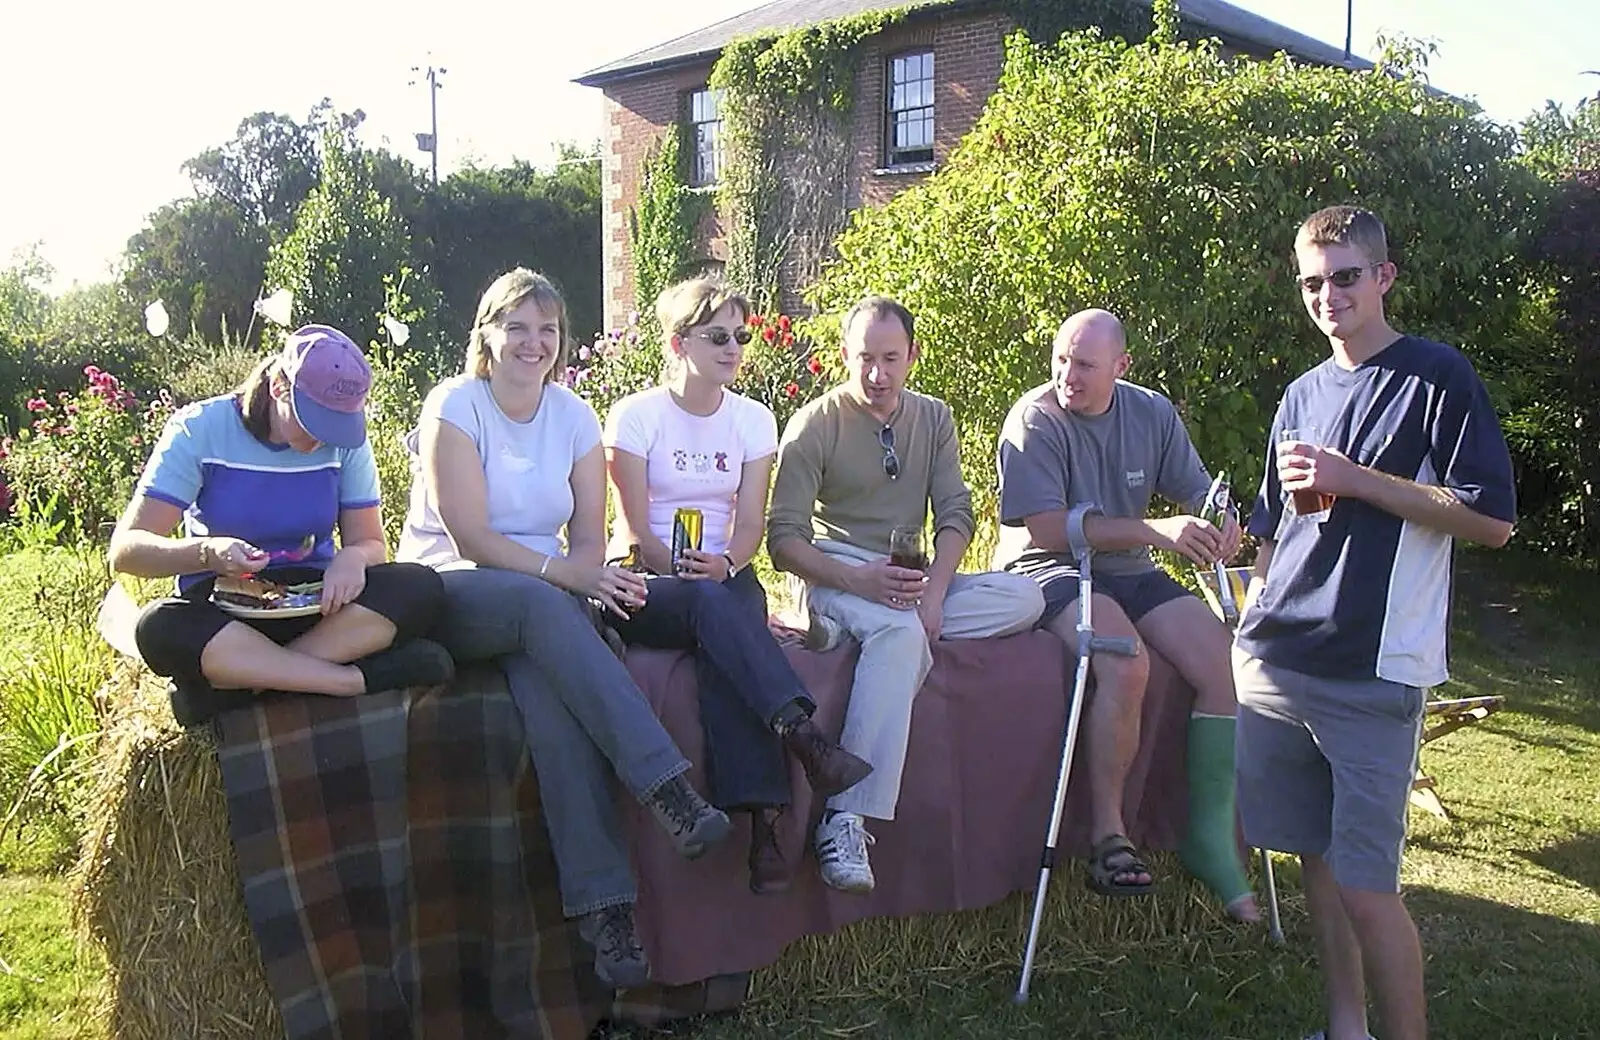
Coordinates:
<point>769,874</point>
<point>829,767</point>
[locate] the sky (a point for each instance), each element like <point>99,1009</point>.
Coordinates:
<point>105,100</point>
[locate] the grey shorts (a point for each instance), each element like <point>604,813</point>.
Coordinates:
<point>1137,594</point>
<point>1325,766</point>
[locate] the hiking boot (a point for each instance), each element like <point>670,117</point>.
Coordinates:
<point>842,842</point>
<point>829,767</point>
<point>618,956</point>
<point>694,824</point>
<point>769,874</point>
<point>824,633</point>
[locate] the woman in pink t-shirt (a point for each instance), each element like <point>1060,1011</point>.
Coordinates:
<point>692,443</point>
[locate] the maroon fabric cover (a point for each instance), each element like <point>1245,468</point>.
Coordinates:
<point>985,748</point>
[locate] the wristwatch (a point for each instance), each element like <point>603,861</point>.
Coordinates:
<point>733,568</point>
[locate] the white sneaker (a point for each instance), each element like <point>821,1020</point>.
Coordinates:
<point>842,852</point>
<point>823,633</point>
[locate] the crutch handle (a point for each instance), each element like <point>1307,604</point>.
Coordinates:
<point>1122,646</point>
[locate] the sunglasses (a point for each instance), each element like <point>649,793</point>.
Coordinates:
<point>1344,278</point>
<point>891,461</point>
<point>720,337</point>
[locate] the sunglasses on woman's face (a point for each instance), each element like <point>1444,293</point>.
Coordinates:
<point>720,337</point>
<point>891,461</point>
<point>1344,278</point>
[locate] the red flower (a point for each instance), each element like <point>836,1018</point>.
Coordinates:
<point>783,322</point>
<point>754,321</point>
<point>791,389</point>
<point>787,339</point>
<point>38,404</point>
<point>770,335</point>
<point>814,366</point>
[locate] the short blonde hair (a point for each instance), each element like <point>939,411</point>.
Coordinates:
<point>1346,226</point>
<point>506,293</point>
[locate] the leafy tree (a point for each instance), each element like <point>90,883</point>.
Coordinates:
<point>264,172</point>
<point>203,260</point>
<point>1555,401</point>
<point>1164,181</point>
<point>482,222</point>
<point>347,240</point>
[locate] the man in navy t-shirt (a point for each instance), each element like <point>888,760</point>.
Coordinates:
<point>1381,457</point>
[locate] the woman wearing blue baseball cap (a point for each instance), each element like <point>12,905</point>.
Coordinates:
<point>259,480</point>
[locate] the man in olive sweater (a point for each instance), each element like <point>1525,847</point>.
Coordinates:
<point>867,457</point>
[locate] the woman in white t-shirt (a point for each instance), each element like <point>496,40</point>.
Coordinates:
<point>509,505</point>
<point>692,443</point>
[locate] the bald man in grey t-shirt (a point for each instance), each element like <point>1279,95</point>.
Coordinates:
<point>1088,440</point>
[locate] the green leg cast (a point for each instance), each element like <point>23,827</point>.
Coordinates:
<point>1211,851</point>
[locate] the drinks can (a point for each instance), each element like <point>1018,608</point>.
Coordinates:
<point>686,528</point>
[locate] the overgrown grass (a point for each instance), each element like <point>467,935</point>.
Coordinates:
<point>51,664</point>
<point>1507,895</point>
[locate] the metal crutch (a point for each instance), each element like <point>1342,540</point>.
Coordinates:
<point>1219,503</point>
<point>1088,645</point>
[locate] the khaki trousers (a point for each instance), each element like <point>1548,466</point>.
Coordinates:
<point>895,659</point>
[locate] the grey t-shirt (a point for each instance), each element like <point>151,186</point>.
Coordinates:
<point>527,468</point>
<point>1051,459</point>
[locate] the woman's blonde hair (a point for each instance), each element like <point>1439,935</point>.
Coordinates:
<point>255,397</point>
<point>682,306</point>
<point>505,294</point>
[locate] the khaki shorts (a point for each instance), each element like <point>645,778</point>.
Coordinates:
<point>1325,766</point>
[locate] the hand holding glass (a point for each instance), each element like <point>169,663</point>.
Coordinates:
<point>1308,502</point>
<point>907,548</point>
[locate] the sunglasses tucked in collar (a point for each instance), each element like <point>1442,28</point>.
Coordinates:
<point>720,337</point>
<point>891,461</point>
<point>1344,278</point>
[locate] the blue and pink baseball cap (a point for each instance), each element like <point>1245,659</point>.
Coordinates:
<point>329,379</point>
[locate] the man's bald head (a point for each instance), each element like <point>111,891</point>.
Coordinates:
<point>1094,326</point>
<point>1089,355</point>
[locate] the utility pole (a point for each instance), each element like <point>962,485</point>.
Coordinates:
<point>429,142</point>
<point>1349,25</point>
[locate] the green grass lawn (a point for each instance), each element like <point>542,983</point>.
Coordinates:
<point>1507,895</point>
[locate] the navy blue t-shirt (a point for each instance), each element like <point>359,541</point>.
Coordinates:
<point>1363,593</point>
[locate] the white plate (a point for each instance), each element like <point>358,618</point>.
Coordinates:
<point>240,610</point>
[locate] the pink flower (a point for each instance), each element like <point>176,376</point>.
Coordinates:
<point>38,404</point>
<point>814,366</point>
<point>92,371</point>
<point>791,389</point>
<point>72,408</point>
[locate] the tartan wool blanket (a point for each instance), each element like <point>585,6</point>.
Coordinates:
<point>397,873</point>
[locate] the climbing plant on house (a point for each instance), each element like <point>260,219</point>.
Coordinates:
<point>661,227</point>
<point>786,107</point>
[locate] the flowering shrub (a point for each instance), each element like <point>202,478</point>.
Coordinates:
<point>85,451</point>
<point>781,369</point>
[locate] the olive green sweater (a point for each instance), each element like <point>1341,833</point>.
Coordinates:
<point>831,482</point>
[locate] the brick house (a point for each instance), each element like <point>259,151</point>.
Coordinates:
<point>921,84</point>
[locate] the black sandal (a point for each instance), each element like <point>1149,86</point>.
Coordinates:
<point>1112,857</point>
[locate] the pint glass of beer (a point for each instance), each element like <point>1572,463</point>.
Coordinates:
<point>1307,501</point>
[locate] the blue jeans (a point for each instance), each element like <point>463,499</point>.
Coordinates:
<point>744,680</point>
<point>584,717</point>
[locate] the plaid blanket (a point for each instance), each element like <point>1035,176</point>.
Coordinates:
<point>398,876</point>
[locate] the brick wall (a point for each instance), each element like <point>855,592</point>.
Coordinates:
<point>637,113</point>
<point>967,55</point>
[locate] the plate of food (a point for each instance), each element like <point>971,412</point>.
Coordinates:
<point>256,597</point>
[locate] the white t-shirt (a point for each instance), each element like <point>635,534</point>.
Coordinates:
<point>692,461</point>
<point>527,467</point>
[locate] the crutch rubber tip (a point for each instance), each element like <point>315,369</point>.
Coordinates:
<point>1019,998</point>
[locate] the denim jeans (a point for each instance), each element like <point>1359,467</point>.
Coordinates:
<point>584,717</point>
<point>744,679</point>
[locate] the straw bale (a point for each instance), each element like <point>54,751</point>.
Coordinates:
<point>156,888</point>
